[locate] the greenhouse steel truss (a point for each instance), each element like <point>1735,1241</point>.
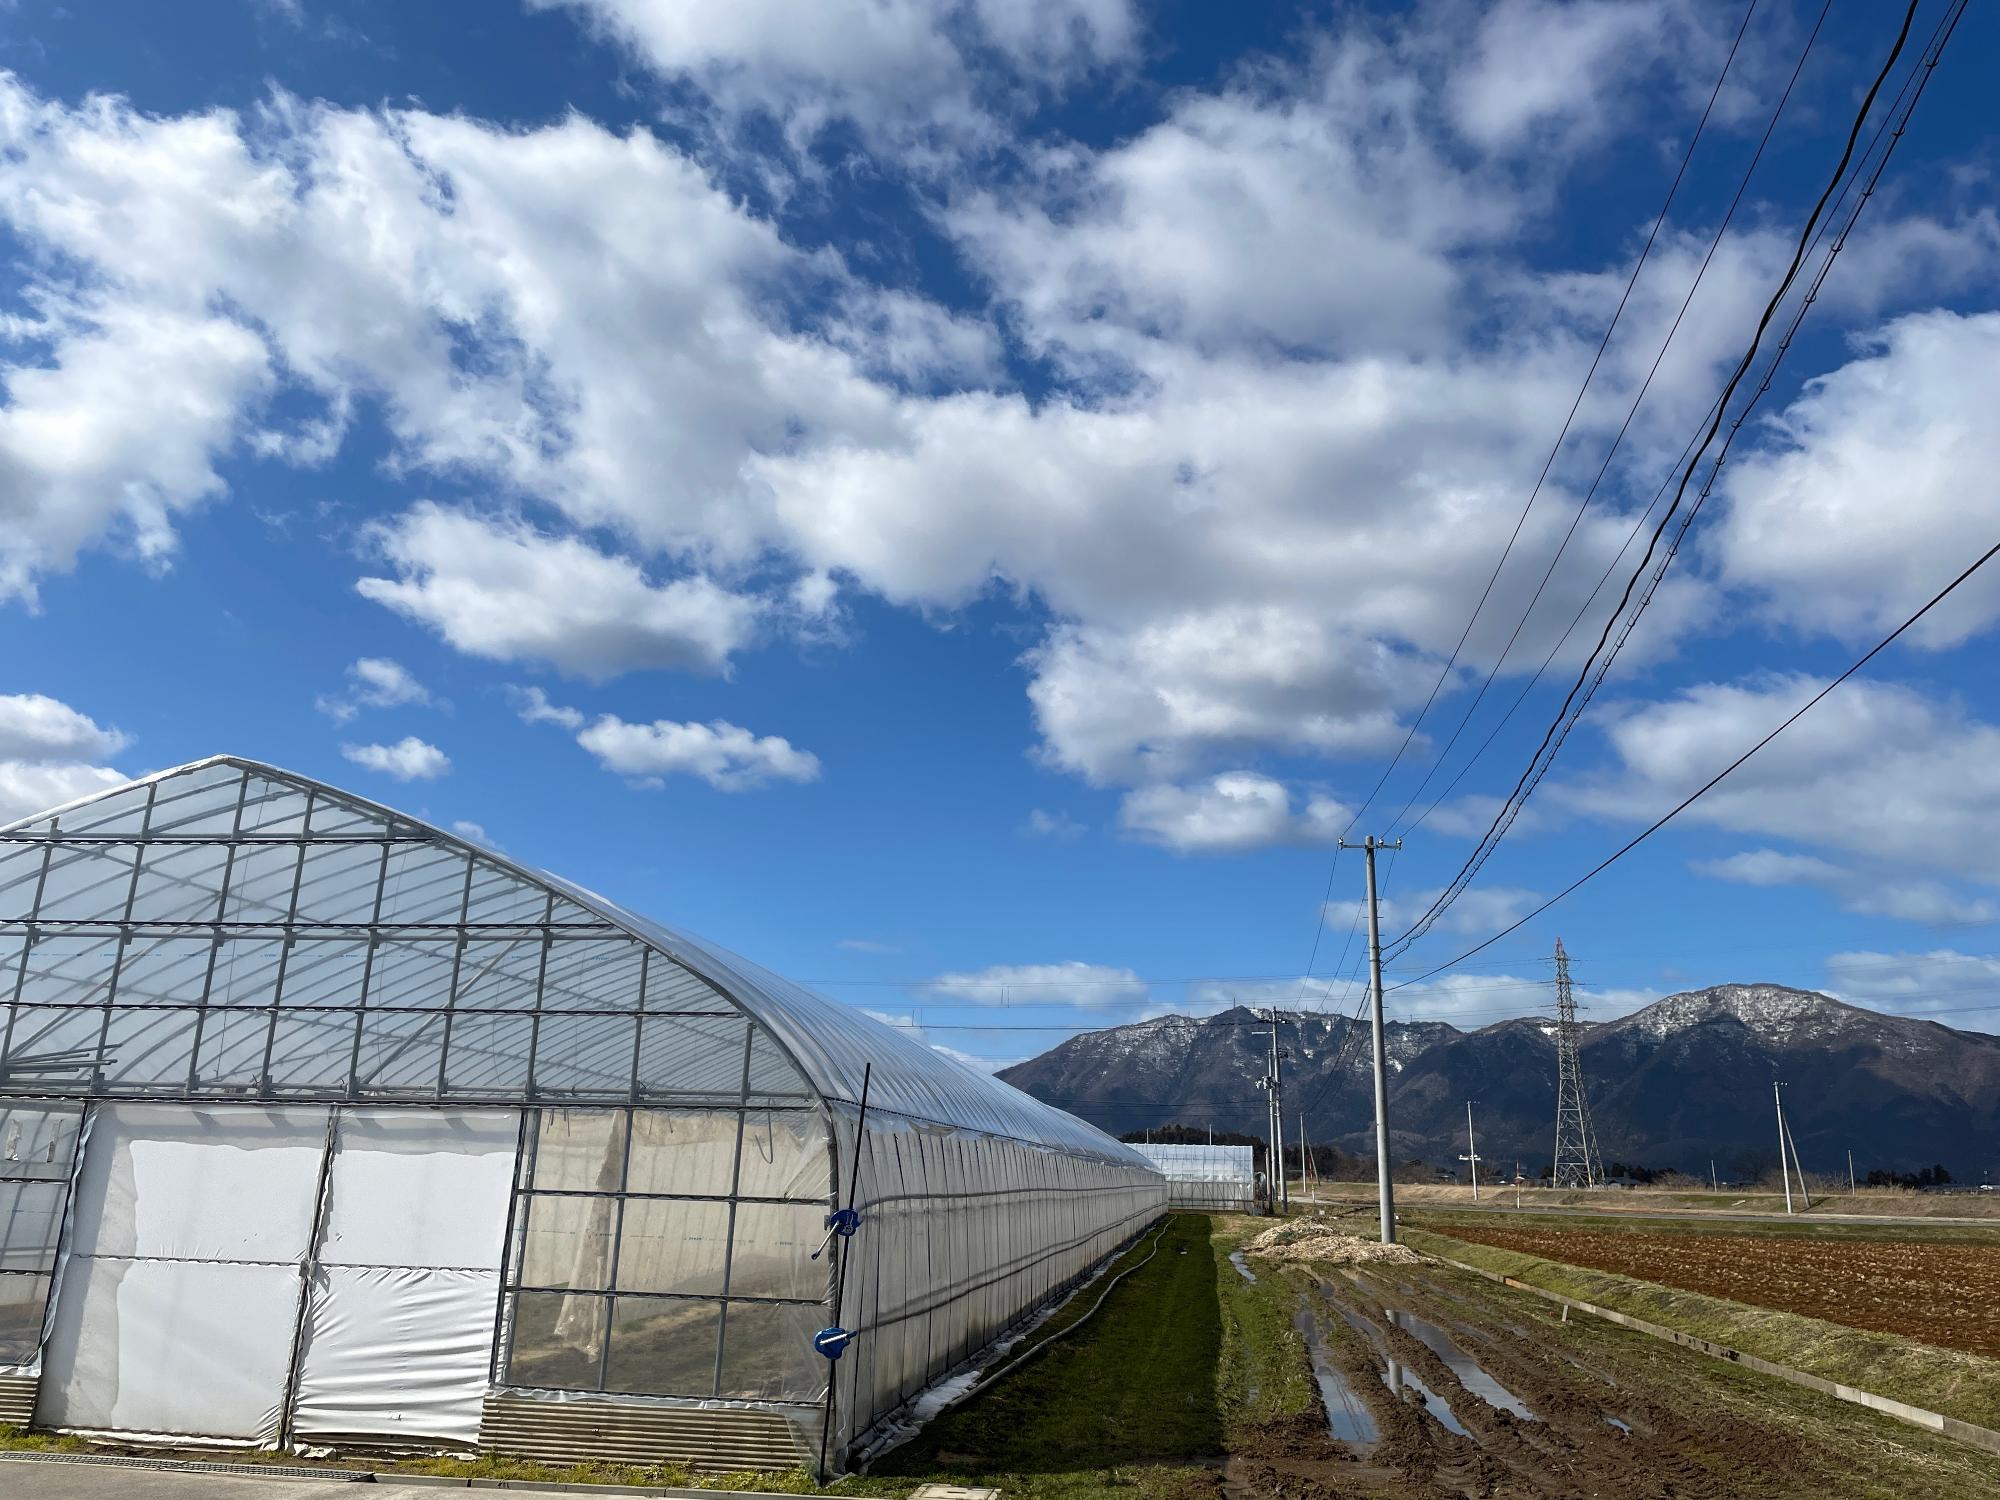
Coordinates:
<point>263,1038</point>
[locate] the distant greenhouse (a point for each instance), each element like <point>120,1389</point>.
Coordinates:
<point>1213,1179</point>
<point>320,1126</point>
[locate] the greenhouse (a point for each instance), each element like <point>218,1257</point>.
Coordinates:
<point>1207,1178</point>
<point>320,1127</point>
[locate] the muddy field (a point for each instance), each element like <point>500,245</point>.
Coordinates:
<point>1937,1292</point>
<point>1436,1385</point>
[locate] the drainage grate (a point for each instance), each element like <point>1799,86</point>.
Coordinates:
<point>187,1466</point>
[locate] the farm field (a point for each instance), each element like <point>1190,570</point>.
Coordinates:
<point>1395,1381</point>
<point>1938,1291</point>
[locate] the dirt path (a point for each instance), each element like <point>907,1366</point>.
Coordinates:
<point>1494,1397</point>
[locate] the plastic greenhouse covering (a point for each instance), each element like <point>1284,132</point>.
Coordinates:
<point>1215,1178</point>
<point>319,1123</point>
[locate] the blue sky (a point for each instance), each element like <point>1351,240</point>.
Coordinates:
<point>961,500</point>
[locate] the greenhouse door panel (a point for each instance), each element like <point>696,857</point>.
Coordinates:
<point>178,1299</point>
<point>406,1286</point>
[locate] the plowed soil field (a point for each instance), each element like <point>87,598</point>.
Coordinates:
<point>1947,1294</point>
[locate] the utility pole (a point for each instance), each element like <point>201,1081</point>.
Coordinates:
<point>1714,1183</point>
<point>1471,1149</point>
<point>1272,1084</point>
<point>1850,1171</point>
<point>1385,1192</point>
<point>1784,1171</point>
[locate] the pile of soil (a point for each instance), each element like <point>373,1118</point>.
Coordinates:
<point>1311,1240</point>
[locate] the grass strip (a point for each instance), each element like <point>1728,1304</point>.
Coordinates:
<point>1966,1386</point>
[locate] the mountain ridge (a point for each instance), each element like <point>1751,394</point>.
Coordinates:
<point>1681,1082</point>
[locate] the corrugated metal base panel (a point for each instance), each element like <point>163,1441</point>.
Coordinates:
<point>17,1399</point>
<point>634,1433</point>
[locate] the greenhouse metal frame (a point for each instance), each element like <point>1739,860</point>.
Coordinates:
<point>384,1138</point>
<point>1207,1178</point>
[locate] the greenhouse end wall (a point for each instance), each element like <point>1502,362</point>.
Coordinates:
<point>230,986</point>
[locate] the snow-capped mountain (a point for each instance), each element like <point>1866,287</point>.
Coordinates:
<point>1684,1081</point>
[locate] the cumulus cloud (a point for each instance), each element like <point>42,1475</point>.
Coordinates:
<point>373,682</point>
<point>36,727</point>
<point>1913,982</point>
<point>1228,814</point>
<point>1070,983</point>
<point>532,706</point>
<point>46,754</point>
<point>717,431</point>
<point>1053,825</point>
<point>726,756</point>
<point>1877,768</point>
<point>409,759</point>
<point>496,587</point>
<point>1907,898</point>
<point>1478,910</point>
<point>902,70</point>
<point>1861,508</point>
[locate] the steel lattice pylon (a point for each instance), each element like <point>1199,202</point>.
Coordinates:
<point>1577,1163</point>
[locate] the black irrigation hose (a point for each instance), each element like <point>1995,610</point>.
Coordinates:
<point>1029,1353</point>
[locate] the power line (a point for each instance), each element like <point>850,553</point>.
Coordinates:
<point>1715,780</point>
<point>1604,469</point>
<point>1572,707</point>
<point>1645,252</point>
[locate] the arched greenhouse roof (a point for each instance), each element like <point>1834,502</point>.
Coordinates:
<point>227,846</point>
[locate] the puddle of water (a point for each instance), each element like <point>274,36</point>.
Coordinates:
<point>1236,1259</point>
<point>1346,1414</point>
<point>1395,1377</point>
<point>1463,1365</point>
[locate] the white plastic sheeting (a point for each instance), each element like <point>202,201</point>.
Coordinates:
<point>1200,1176</point>
<point>399,1330</point>
<point>180,1288</point>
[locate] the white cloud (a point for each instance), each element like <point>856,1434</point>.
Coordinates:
<point>1864,507</point>
<point>724,755</point>
<point>1477,911</point>
<point>373,682</point>
<point>532,705</point>
<point>1877,769</point>
<point>1867,891</point>
<point>1914,982</point>
<point>1542,66</point>
<point>29,787</point>
<point>476,833</point>
<point>900,69</point>
<point>1070,983</point>
<point>35,727</point>
<point>1253,500</point>
<point>498,588</point>
<point>1228,814</point>
<point>117,432</point>
<point>867,945</point>
<point>1053,825</point>
<point>45,752</point>
<point>409,759</point>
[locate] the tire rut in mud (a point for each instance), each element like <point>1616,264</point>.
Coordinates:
<point>1677,1443</point>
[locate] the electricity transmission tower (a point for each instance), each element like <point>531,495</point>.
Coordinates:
<point>1576,1139</point>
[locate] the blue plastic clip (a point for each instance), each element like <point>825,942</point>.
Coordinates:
<point>832,1342</point>
<point>844,1221</point>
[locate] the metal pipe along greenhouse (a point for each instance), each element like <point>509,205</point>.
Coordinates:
<point>322,1127</point>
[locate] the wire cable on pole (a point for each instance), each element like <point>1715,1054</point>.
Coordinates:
<point>1645,252</point>
<point>1604,469</point>
<point>1715,780</point>
<point>1573,705</point>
